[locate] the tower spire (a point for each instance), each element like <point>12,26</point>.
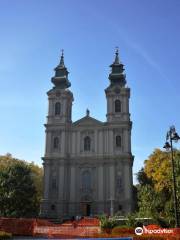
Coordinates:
<point>61,64</point>
<point>116,61</point>
<point>60,80</point>
<point>117,77</point>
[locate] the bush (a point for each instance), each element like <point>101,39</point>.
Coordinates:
<point>5,235</point>
<point>107,224</point>
<point>131,221</point>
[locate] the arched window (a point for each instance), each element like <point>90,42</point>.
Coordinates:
<point>87,143</point>
<point>117,106</point>
<point>118,141</point>
<point>56,143</point>
<point>86,180</point>
<point>57,108</point>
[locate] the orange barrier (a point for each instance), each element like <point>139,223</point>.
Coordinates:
<point>18,226</point>
<point>41,227</point>
<point>84,228</point>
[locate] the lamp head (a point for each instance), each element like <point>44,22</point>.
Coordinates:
<point>175,137</point>
<point>167,146</point>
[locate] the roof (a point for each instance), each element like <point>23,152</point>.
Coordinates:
<point>88,121</point>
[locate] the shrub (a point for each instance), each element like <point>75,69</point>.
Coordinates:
<point>5,235</point>
<point>131,221</point>
<point>107,223</point>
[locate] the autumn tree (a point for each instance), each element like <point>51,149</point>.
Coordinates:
<point>155,196</point>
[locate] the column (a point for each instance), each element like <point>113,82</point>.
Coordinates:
<point>46,180</point>
<point>111,140</point>
<point>129,140</point>
<point>78,142</point>
<point>126,140</point>
<point>63,141</point>
<point>73,144</point>
<point>127,187</point>
<point>112,188</point>
<point>72,184</point>
<point>61,183</point>
<point>112,181</point>
<point>48,142</point>
<point>105,141</point>
<point>96,142</point>
<point>51,107</point>
<point>101,142</point>
<point>100,189</point>
<point>72,191</point>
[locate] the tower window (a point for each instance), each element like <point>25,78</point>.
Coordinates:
<point>87,143</point>
<point>118,141</point>
<point>117,106</point>
<point>56,143</point>
<point>57,108</point>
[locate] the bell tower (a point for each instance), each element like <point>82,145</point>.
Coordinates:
<point>118,121</point>
<point>117,94</point>
<point>58,133</point>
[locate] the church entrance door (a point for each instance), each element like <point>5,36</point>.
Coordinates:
<point>86,209</point>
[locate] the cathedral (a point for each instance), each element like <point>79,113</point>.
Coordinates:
<point>88,163</point>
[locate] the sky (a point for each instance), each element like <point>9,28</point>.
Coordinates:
<point>32,34</point>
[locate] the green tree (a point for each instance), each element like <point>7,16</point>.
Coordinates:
<point>18,195</point>
<point>37,176</point>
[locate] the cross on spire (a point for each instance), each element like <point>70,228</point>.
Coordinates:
<point>62,52</point>
<point>116,61</point>
<point>62,58</point>
<point>87,112</point>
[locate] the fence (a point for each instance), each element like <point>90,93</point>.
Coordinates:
<point>41,227</point>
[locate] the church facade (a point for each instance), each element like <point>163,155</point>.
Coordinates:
<point>88,163</point>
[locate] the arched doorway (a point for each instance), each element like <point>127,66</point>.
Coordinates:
<point>86,208</point>
<point>86,205</point>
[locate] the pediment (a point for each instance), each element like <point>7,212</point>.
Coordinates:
<point>88,121</point>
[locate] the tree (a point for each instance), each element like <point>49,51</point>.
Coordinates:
<point>20,187</point>
<point>155,197</point>
<point>37,176</point>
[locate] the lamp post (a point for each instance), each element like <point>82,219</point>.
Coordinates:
<point>173,136</point>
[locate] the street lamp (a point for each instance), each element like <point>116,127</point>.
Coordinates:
<point>170,137</point>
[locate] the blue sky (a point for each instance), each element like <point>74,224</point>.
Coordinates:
<point>32,33</point>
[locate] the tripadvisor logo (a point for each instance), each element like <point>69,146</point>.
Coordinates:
<point>139,231</point>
